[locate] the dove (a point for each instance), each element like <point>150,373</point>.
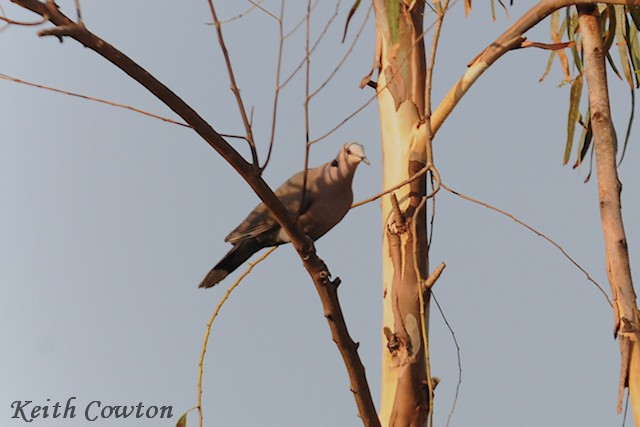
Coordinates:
<point>327,200</point>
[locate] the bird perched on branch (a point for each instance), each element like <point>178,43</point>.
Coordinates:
<point>327,200</point>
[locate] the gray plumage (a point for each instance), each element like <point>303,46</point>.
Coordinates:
<point>326,201</point>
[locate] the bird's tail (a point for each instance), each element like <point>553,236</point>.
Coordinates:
<point>240,252</point>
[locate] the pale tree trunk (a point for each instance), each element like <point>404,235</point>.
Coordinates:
<point>626,315</point>
<point>400,59</point>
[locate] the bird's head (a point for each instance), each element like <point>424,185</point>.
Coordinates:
<point>354,153</point>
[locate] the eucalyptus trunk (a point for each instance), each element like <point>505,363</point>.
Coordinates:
<point>626,315</point>
<point>400,60</point>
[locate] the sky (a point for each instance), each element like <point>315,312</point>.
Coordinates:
<point>110,219</point>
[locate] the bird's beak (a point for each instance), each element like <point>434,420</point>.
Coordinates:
<point>365,161</point>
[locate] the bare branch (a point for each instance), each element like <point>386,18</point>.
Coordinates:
<point>346,55</point>
<point>90,98</point>
<point>626,314</point>
<point>548,46</point>
<point>301,22</point>
<point>455,342</point>
<point>234,86</point>
<point>535,231</point>
<point>510,39</point>
<point>308,52</point>
<point>22,23</point>
<point>276,94</point>
<point>428,168</point>
<point>254,5</point>
<point>316,268</point>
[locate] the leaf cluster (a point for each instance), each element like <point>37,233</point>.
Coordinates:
<point>619,25</point>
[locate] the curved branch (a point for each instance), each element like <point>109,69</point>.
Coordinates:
<point>317,269</point>
<point>510,39</point>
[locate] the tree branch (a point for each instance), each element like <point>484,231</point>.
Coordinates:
<point>317,269</point>
<point>510,39</point>
<point>627,317</point>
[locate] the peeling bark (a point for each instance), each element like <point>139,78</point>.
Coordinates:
<point>401,88</point>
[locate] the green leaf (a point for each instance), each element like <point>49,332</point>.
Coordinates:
<point>574,114</point>
<point>609,36</point>
<point>613,65</point>
<point>634,50</point>
<point>622,44</point>
<point>552,56</point>
<point>182,422</point>
<point>610,32</point>
<point>393,19</point>
<point>349,16</point>
<point>634,11</point>
<point>555,23</point>
<point>555,31</point>
<point>572,25</point>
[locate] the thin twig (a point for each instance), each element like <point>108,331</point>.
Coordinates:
<point>310,51</point>
<point>91,98</point>
<point>254,5</point>
<point>307,146</point>
<point>207,330</point>
<point>424,306</point>
<point>22,23</point>
<point>78,12</point>
<point>276,94</point>
<point>257,4</point>
<point>300,23</point>
<point>346,55</point>
<point>533,230</point>
<point>375,96</point>
<point>403,183</point>
<point>455,342</point>
<point>234,86</point>
<point>441,12</point>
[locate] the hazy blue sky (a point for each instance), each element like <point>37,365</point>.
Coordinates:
<point>110,219</point>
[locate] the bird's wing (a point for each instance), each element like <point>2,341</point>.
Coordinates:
<point>260,222</point>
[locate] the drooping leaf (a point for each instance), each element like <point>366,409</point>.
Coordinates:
<point>609,35</point>
<point>572,25</point>
<point>467,7</point>
<point>557,30</point>
<point>634,50</point>
<point>393,19</point>
<point>555,36</point>
<point>552,56</point>
<point>572,117</point>
<point>585,139</point>
<point>493,9</point>
<point>622,44</point>
<point>349,16</point>
<point>590,167</point>
<point>504,7</point>
<point>610,30</point>
<point>182,422</point>
<point>613,65</point>
<point>626,138</point>
<point>634,11</point>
